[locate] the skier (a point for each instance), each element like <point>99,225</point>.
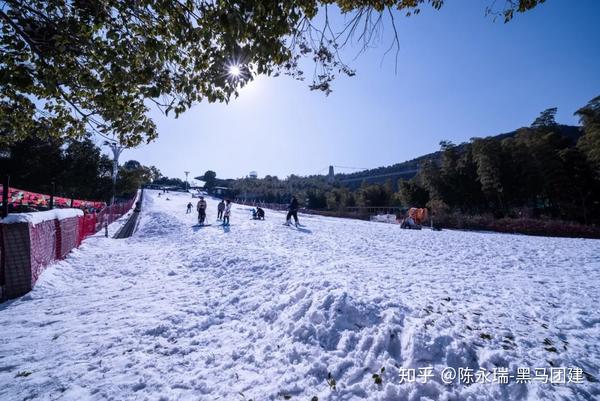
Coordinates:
<point>227,212</point>
<point>293,212</point>
<point>220,208</point>
<point>189,208</point>
<point>201,208</point>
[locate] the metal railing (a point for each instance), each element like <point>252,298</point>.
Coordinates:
<point>359,212</point>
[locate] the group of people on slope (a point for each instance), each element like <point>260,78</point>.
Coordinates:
<point>224,211</point>
<point>259,214</point>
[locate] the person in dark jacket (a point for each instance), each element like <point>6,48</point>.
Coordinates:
<point>201,208</point>
<point>220,208</point>
<point>292,211</point>
<point>258,213</point>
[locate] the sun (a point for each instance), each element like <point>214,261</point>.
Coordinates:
<point>234,71</point>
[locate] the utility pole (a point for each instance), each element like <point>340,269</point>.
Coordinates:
<point>186,180</point>
<point>116,151</point>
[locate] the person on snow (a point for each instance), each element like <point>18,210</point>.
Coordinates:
<point>258,214</point>
<point>220,208</point>
<point>227,212</point>
<point>201,208</point>
<point>189,208</point>
<point>292,212</point>
<point>409,222</point>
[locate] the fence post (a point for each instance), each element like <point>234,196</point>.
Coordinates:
<point>5,185</point>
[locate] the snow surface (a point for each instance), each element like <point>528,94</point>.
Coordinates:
<point>260,311</point>
<point>384,218</point>
<point>39,217</point>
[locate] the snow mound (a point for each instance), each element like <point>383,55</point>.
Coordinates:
<point>325,321</point>
<point>34,218</point>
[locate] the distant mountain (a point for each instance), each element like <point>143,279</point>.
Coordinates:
<point>408,169</point>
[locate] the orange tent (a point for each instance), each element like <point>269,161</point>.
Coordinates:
<point>419,215</point>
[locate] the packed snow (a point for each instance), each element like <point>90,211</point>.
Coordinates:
<point>34,218</point>
<point>261,311</point>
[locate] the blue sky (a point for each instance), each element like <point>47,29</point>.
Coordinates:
<point>459,75</point>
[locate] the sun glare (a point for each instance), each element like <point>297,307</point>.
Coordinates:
<point>234,71</point>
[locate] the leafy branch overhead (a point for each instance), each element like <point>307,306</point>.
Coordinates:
<point>68,67</point>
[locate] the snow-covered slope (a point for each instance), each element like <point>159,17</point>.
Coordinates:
<point>260,311</point>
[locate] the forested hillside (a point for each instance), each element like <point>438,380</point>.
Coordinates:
<point>408,169</point>
<point>545,171</point>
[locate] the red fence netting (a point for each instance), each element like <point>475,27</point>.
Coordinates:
<point>91,223</point>
<point>43,247</point>
<point>18,197</point>
<point>98,214</point>
<point>53,239</point>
